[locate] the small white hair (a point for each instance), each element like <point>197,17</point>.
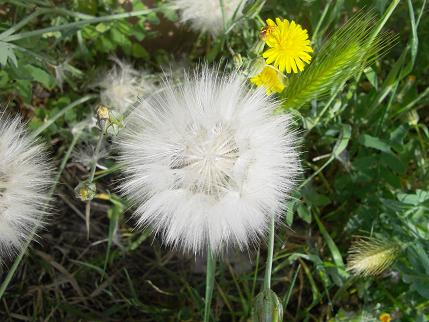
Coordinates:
<point>208,15</point>
<point>25,177</point>
<point>122,86</point>
<point>207,162</point>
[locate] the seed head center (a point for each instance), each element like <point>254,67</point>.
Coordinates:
<point>209,158</point>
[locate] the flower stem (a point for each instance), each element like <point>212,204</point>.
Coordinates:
<point>96,152</point>
<point>384,19</point>
<point>92,174</point>
<point>269,264</point>
<point>210,278</point>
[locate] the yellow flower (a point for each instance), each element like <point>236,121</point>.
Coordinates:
<point>289,46</point>
<point>270,79</point>
<point>385,317</point>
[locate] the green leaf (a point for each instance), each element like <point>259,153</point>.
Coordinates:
<point>371,76</point>
<point>7,53</point>
<point>41,76</point>
<point>105,44</point>
<point>343,140</point>
<point>24,90</point>
<point>102,27</point>
<point>374,143</point>
<point>138,34</point>
<point>170,14</point>
<point>139,51</point>
<point>289,213</point>
<point>304,214</point>
<point>313,198</point>
<point>336,255</point>
<point>87,6</point>
<point>393,162</point>
<point>4,78</point>
<point>119,38</point>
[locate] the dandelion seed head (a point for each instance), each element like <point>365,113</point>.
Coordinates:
<point>25,176</point>
<point>207,163</point>
<point>207,16</point>
<point>122,86</point>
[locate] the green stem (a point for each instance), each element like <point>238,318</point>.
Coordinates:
<point>5,283</point>
<point>319,23</point>
<point>96,152</point>
<point>383,21</point>
<point>80,23</point>
<point>64,161</point>
<point>210,278</point>
<point>61,113</point>
<point>255,275</point>
<point>92,175</point>
<point>269,264</point>
<point>325,108</point>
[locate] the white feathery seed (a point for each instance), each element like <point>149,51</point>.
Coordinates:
<point>25,177</point>
<point>86,155</point>
<point>122,86</point>
<point>208,15</point>
<point>207,162</point>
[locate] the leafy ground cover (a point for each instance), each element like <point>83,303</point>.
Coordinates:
<point>364,150</point>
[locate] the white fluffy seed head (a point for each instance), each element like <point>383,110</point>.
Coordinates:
<point>25,177</point>
<point>122,86</point>
<point>208,163</point>
<point>207,15</point>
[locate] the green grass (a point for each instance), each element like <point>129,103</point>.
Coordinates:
<point>365,155</point>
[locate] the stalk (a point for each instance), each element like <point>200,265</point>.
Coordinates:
<point>210,278</point>
<point>269,264</point>
<point>92,174</point>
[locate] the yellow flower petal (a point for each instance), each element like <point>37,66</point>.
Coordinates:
<point>385,317</point>
<point>289,46</point>
<point>271,23</point>
<point>270,79</point>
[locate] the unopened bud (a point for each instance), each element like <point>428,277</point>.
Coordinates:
<point>413,118</point>
<point>103,115</point>
<point>238,60</point>
<point>267,307</point>
<point>85,191</point>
